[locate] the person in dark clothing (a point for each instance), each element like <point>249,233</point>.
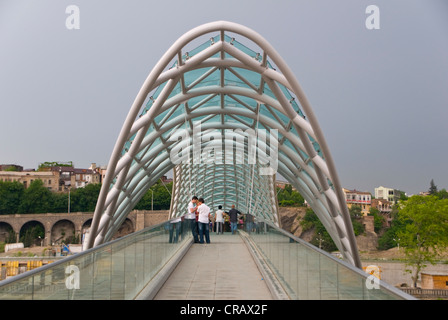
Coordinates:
<point>249,223</point>
<point>233,214</point>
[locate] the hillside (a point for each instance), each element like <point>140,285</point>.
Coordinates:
<point>290,221</point>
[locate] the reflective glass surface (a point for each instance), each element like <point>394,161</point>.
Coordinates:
<point>118,270</point>
<point>308,273</point>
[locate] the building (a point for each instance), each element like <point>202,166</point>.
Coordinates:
<point>10,167</point>
<point>165,179</point>
<point>49,179</point>
<point>389,194</point>
<point>100,170</point>
<point>73,178</point>
<point>84,177</point>
<point>359,198</point>
<point>55,178</point>
<point>434,280</point>
<point>384,207</point>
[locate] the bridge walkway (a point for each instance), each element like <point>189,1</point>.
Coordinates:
<point>221,270</point>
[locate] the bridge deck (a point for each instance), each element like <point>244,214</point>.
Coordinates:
<point>221,270</point>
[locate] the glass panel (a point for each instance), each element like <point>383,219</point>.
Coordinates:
<point>118,270</point>
<point>306,272</point>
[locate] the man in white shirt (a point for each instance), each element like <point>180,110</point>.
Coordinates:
<point>219,219</point>
<point>192,217</point>
<point>203,221</point>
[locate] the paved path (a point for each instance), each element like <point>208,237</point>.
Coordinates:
<point>221,270</point>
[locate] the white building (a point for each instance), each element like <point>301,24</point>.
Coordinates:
<point>388,194</point>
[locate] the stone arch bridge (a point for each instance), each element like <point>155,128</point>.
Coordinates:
<point>59,227</point>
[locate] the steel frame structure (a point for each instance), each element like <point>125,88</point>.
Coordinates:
<point>225,86</point>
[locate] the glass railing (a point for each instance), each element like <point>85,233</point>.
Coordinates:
<point>120,269</point>
<point>306,272</point>
<point>117,270</point>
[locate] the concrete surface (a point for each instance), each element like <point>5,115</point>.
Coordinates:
<point>221,270</point>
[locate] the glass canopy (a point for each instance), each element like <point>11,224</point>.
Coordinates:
<point>226,119</point>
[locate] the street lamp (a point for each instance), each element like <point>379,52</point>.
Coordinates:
<point>398,242</point>
<point>152,199</point>
<point>320,239</point>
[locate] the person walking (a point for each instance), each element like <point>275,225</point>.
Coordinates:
<point>219,220</point>
<point>249,222</point>
<point>191,217</point>
<point>203,221</point>
<point>233,214</point>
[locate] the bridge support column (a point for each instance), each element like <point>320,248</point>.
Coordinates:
<point>47,240</point>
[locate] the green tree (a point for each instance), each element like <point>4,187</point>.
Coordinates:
<point>31,234</point>
<point>355,211</point>
<point>432,188</point>
<point>158,197</point>
<point>11,194</point>
<point>321,237</point>
<point>425,231</point>
<point>49,164</point>
<point>85,199</point>
<point>59,203</point>
<point>355,216</point>
<point>36,199</point>
<point>378,219</point>
<point>288,197</point>
<point>390,238</point>
<point>403,196</point>
<point>442,194</point>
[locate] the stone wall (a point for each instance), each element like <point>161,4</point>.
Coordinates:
<point>56,223</point>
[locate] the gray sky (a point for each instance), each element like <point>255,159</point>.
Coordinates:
<point>380,96</point>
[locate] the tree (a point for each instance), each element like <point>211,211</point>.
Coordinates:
<point>288,197</point>
<point>390,237</point>
<point>59,203</point>
<point>425,231</point>
<point>355,216</point>
<point>355,211</point>
<point>321,238</point>
<point>157,197</point>
<point>85,199</point>
<point>378,219</point>
<point>432,188</point>
<point>49,164</point>
<point>36,199</point>
<point>11,194</point>
<point>442,194</point>
<point>31,234</point>
<point>403,196</point>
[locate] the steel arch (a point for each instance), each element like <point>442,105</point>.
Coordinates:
<point>225,86</point>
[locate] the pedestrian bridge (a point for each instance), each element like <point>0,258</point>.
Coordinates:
<point>225,119</point>
<point>265,263</point>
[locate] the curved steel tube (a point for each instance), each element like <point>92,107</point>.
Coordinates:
<point>141,154</point>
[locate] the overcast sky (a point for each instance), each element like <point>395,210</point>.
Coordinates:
<point>380,95</point>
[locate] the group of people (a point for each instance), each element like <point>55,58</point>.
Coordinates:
<point>199,215</point>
